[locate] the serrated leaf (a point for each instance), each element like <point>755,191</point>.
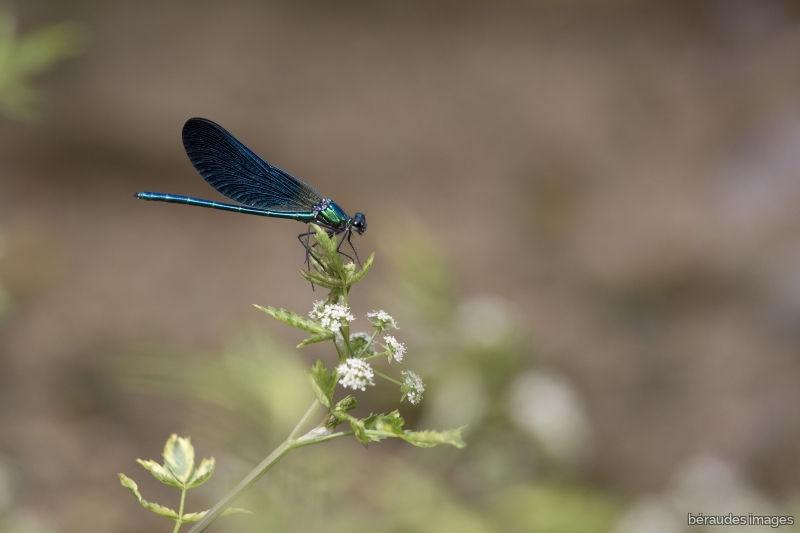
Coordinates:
<point>357,276</point>
<point>325,380</point>
<point>179,457</point>
<point>201,473</point>
<point>429,439</point>
<point>393,423</point>
<point>359,431</point>
<point>154,507</point>
<point>164,475</point>
<point>195,517</point>
<point>321,279</point>
<point>316,338</point>
<point>322,382</point>
<point>329,259</point>
<point>326,243</point>
<point>370,420</point>
<point>294,320</point>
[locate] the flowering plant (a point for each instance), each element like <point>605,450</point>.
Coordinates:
<point>329,320</point>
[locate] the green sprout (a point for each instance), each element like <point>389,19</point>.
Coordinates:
<point>329,320</point>
<point>178,471</point>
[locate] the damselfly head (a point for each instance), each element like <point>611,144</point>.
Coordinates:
<point>360,223</point>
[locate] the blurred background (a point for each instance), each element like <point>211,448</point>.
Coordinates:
<point>584,217</point>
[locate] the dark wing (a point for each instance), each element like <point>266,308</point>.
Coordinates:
<point>235,171</point>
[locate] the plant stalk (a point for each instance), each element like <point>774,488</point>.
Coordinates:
<point>179,521</point>
<point>288,445</point>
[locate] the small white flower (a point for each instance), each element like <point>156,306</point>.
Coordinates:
<point>396,349</point>
<point>382,320</point>
<point>355,374</point>
<point>332,316</point>
<point>412,387</point>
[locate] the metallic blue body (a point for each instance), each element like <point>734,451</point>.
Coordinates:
<point>304,216</point>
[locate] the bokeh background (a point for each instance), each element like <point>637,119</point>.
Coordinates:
<point>584,215</point>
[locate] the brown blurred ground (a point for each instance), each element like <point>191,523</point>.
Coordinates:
<point>626,173</point>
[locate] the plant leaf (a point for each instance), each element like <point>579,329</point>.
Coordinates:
<point>323,382</point>
<point>357,276</point>
<point>339,414</point>
<point>179,457</point>
<point>392,423</point>
<point>201,473</point>
<point>316,338</point>
<point>156,508</point>
<point>359,431</point>
<point>293,319</point>
<point>164,475</point>
<point>321,279</point>
<point>382,426</point>
<point>329,259</point>
<point>429,439</point>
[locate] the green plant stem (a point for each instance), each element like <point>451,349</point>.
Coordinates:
<point>179,521</point>
<point>299,426</point>
<point>375,356</point>
<point>346,328</point>
<point>384,376</point>
<point>288,445</point>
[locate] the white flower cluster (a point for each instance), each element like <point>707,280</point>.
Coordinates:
<point>395,348</point>
<point>331,316</point>
<point>412,387</point>
<point>382,320</point>
<point>356,374</point>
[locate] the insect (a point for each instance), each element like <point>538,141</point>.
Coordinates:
<point>262,189</point>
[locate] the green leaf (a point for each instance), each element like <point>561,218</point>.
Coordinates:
<point>160,473</point>
<point>377,427</point>
<point>329,257</point>
<point>156,508</point>
<point>294,320</point>
<point>323,382</point>
<point>429,439</point>
<point>316,338</point>
<point>201,473</point>
<point>348,403</point>
<point>339,414</point>
<point>321,279</point>
<point>195,517</point>
<point>326,243</point>
<point>392,423</point>
<point>357,276</point>
<point>179,457</point>
<point>359,431</point>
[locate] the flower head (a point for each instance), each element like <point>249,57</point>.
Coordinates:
<point>382,320</point>
<point>361,341</point>
<point>331,316</point>
<point>412,387</point>
<point>396,349</point>
<point>355,374</point>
